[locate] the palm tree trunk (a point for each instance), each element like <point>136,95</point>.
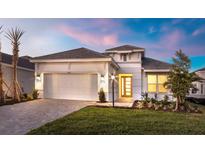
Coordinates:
<point>1,79</point>
<point>15,92</point>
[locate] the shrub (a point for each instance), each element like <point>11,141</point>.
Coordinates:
<point>35,94</point>
<point>145,97</point>
<point>153,100</point>
<point>141,104</point>
<point>25,95</point>
<point>29,98</point>
<point>102,96</point>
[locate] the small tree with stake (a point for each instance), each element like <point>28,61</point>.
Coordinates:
<point>14,36</point>
<point>180,80</point>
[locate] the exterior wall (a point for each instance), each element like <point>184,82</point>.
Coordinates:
<point>200,93</point>
<point>132,57</point>
<point>25,78</point>
<point>99,68</point>
<point>131,66</point>
<point>135,70</point>
<point>95,67</point>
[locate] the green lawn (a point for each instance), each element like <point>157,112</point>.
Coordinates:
<point>96,120</point>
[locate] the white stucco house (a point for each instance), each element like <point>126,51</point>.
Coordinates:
<point>79,74</point>
<point>200,93</point>
<point>25,73</point>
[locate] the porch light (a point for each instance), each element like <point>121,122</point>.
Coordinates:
<point>113,77</point>
<point>38,77</point>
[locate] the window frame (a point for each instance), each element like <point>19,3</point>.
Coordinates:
<point>157,83</point>
<point>124,57</point>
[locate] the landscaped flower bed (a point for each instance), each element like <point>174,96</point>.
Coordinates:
<point>164,105</point>
<point>24,98</point>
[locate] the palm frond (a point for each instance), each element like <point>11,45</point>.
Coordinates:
<point>14,35</point>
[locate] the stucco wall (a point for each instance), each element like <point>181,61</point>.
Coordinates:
<point>200,93</point>
<point>25,78</point>
<point>132,57</point>
<point>99,68</point>
<point>136,79</point>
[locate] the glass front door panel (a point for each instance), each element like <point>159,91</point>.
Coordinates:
<point>126,86</point>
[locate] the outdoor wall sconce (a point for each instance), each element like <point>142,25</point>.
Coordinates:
<point>38,78</point>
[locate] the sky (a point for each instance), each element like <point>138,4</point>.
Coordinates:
<point>160,37</point>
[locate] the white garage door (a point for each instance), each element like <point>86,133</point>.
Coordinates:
<point>71,86</point>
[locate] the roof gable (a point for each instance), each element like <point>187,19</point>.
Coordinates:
<point>79,53</point>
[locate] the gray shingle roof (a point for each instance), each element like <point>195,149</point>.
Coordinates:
<point>73,54</point>
<point>124,48</point>
<point>201,69</point>
<point>152,64</point>
<point>22,62</point>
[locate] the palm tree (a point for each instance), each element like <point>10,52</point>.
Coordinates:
<point>1,75</point>
<point>14,36</point>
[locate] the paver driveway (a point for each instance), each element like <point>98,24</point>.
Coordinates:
<point>20,118</point>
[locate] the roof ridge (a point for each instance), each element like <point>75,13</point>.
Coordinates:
<point>126,45</point>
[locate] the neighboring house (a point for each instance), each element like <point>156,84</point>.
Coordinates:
<point>25,73</point>
<point>200,86</point>
<point>80,74</point>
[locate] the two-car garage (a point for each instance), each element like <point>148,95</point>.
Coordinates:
<point>71,86</point>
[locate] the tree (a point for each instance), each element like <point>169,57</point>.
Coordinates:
<point>1,75</point>
<point>14,36</point>
<point>179,79</point>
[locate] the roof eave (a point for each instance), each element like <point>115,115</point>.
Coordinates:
<point>156,70</point>
<point>71,60</point>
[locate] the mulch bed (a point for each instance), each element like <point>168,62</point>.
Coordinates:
<point>10,102</point>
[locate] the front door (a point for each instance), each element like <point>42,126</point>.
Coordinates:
<point>126,86</point>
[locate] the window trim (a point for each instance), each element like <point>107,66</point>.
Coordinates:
<point>124,57</point>
<point>157,83</point>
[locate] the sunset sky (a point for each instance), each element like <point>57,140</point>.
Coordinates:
<point>160,37</point>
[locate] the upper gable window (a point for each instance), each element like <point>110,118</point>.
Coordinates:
<point>124,57</point>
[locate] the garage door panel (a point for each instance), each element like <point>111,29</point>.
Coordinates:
<point>70,86</point>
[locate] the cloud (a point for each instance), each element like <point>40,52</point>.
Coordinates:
<point>171,40</point>
<point>177,21</point>
<point>89,38</point>
<point>152,29</point>
<point>198,31</point>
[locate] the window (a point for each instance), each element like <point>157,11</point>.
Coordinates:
<point>152,83</point>
<point>124,57</point>
<point>156,83</point>
<point>194,90</point>
<point>161,80</point>
<point>202,88</point>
